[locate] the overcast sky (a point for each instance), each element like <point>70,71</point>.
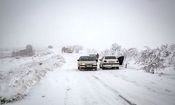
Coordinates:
<point>91,23</point>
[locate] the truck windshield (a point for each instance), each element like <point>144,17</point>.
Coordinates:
<point>110,57</point>
<point>87,58</point>
<point>92,55</point>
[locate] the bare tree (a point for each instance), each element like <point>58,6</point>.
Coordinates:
<point>115,49</point>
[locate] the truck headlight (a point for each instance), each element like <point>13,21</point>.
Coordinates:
<point>82,64</point>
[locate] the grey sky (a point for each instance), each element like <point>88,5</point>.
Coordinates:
<point>91,23</point>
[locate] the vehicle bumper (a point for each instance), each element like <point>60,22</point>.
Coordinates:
<point>110,65</point>
<point>87,66</point>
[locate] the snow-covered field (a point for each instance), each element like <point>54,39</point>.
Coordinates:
<point>18,76</point>
<point>68,86</point>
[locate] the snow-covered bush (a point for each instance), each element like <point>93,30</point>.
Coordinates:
<point>151,60</point>
<point>158,58</point>
<point>130,54</point>
<point>168,53</point>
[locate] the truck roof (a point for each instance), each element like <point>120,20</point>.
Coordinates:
<point>87,58</point>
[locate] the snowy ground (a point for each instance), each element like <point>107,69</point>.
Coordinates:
<point>18,76</point>
<point>68,86</point>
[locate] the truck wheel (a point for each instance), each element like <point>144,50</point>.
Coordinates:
<point>78,68</point>
<point>117,67</point>
<point>96,69</point>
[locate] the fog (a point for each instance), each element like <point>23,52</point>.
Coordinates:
<point>91,23</point>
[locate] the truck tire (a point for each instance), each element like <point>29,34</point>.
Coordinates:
<point>79,68</point>
<point>117,67</point>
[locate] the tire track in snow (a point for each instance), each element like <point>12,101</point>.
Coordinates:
<point>98,94</point>
<point>151,84</point>
<point>67,92</point>
<point>113,90</point>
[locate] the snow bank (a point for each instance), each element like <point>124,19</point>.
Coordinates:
<point>17,76</point>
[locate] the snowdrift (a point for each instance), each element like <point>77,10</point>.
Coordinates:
<point>17,76</point>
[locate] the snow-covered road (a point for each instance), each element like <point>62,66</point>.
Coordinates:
<point>68,86</point>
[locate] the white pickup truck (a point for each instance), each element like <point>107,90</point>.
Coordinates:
<point>87,63</point>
